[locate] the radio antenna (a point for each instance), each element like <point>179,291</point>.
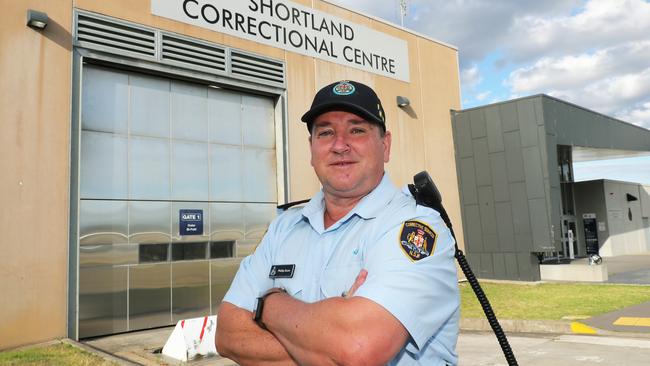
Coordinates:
<point>402,10</point>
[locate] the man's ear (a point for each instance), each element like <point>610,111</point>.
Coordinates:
<point>387,141</point>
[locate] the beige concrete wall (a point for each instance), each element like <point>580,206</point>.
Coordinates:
<point>34,161</point>
<point>36,93</point>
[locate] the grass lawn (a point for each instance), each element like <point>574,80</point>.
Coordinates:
<point>551,301</point>
<point>61,354</point>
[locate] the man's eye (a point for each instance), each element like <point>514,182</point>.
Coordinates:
<point>357,131</point>
<point>324,133</point>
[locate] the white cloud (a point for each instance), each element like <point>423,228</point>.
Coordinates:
<point>578,70</point>
<point>639,114</point>
<point>482,96</point>
<point>477,27</point>
<point>599,24</point>
<point>470,77</point>
<point>595,53</point>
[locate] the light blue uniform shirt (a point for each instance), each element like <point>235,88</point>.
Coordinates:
<point>422,294</point>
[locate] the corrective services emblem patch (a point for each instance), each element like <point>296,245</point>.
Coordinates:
<point>343,88</point>
<point>417,240</point>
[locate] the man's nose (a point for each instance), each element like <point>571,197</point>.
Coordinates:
<point>340,144</point>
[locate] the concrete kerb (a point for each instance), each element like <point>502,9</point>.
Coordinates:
<point>543,327</point>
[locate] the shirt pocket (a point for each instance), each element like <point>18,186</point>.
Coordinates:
<point>338,279</point>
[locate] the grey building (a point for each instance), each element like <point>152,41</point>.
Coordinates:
<point>518,195</point>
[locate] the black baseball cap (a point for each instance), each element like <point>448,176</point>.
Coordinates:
<point>349,96</point>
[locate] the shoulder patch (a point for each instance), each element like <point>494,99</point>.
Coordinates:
<point>417,240</point>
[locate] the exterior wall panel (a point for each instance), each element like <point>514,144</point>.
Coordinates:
<point>494,130</point>
<point>35,105</point>
<point>514,160</point>
<point>482,162</point>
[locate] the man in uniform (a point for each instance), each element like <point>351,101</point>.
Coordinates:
<point>361,274</point>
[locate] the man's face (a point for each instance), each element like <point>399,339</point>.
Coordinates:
<point>348,153</point>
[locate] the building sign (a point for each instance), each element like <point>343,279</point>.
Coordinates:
<point>295,28</point>
<point>190,222</point>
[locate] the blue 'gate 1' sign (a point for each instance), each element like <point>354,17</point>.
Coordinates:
<point>190,222</point>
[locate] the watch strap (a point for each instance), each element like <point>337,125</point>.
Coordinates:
<point>259,309</point>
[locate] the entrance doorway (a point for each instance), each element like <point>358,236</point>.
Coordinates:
<point>159,156</point>
<point>569,237</point>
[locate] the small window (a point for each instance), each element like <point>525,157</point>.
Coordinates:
<point>149,253</point>
<point>188,251</point>
<point>222,249</point>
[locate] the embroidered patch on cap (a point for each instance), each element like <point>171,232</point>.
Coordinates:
<point>343,88</point>
<point>417,240</point>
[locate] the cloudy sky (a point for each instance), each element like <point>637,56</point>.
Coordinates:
<point>594,53</point>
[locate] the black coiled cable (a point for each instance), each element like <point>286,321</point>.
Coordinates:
<point>485,305</point>
<point>426,194</point>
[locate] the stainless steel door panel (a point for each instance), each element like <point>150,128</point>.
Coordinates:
<point>176,207</point>
<point>246,247</point>
<point>224,114</point>
<point>189,171</point>
<point>258,216</point>
<point>105,100</point>
<point>260,175</point>
<point>226,177</point>
<point>103,222</point>
<point>149,168</point>
<point>190,289</point>
<point>150,106</point>
<point>102,300</point>
<point>103,165</point>
<point>106,255</point>
<point>149,296</point>
<point>226,221</point>
<point>189,111</point>
<point>150,222</point>
<point>258,121</point>
<point>222,272</point>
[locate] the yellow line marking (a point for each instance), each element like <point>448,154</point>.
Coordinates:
<point>635,322</point>
<point>577,327</point>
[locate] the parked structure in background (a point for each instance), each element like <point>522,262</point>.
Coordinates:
<point>519,201</point>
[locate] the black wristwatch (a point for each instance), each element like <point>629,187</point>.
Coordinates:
<point>259,308</point>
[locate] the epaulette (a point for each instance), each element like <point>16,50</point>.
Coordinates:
<point>286,206</point>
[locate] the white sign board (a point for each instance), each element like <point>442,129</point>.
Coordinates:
<point>296,28</point>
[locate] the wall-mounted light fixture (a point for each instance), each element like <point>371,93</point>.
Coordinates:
<point>403,101</point>
<point>37,19</point>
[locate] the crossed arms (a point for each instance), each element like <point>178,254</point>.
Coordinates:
<point>335,331</point>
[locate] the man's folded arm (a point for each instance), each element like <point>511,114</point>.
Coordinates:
<point>334,331</point>
<point>242,340</point>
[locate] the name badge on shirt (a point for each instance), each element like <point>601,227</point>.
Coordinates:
<point>282,271</point>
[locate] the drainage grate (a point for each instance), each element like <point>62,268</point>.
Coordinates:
<point>115,36</point>
<point>194,54</point>
<point>251,66</point>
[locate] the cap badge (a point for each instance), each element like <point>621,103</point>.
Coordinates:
<point>343,88</point>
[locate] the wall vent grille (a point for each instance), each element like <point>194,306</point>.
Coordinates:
<point>115,36</point>
<point>120,37</point>
<point>251,66</point>
<point>195,54</point>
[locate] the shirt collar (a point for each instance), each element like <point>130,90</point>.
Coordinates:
<point>368,208</point>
